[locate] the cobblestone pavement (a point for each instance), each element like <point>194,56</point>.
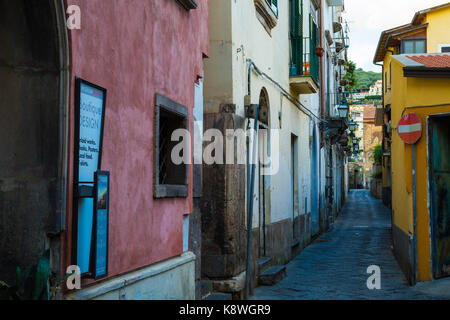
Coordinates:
<point>335,265</point>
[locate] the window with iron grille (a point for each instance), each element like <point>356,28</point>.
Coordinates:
<point>188,4</point>
<point>171,180</point>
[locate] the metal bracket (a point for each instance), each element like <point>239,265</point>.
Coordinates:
<point>250,111</point>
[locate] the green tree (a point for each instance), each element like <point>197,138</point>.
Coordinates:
<point>350,76</point>
<point>377,153</point>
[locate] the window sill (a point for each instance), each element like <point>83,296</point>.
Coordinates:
<point>170,191</point>
<point>266,15</point>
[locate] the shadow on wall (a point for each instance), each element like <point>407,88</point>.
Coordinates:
<point>29,132</point>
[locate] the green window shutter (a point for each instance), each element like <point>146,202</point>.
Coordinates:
<point>313,43</point>
<point>296,38</point>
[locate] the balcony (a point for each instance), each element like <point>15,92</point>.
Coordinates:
<point>304,71</point>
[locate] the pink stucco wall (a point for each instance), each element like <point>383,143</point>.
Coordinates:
<point>134,49</point>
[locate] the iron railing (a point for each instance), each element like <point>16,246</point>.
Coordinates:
<point>304,59</point>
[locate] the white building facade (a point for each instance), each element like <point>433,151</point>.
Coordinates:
<point>282,60</point>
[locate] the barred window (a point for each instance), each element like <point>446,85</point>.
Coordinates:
<point>188,4</point>
<point>171,180</point>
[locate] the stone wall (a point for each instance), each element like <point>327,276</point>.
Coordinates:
<point>224,234</point>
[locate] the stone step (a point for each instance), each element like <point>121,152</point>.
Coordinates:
<point>219,296</point>
<point>272,276</point>
<point>263,264</point>
<point>206,287</point>
<point>295,244</point>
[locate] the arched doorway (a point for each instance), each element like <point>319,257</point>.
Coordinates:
<point>33,104</point>
<point>315,177</point>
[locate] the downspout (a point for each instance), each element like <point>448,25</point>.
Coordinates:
<point>250,181</point>
<point>57,247</point>
<point>321,70</point>
<point>322,116</point>
<point>386,45</point>
<point>321,200</point>
<point>64,87</point>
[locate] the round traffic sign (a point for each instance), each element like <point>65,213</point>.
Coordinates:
<point>409,128</point>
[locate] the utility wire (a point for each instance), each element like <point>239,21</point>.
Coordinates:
<point>297,103</point>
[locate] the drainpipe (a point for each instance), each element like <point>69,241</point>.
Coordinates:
<point>321,69</point>
<point>250,181</point>
<point>322,116</point>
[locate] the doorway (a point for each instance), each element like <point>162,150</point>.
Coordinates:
<point>32,132</point>
<point>439,183</point>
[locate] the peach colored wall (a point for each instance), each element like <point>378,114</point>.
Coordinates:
<point>134,49</point>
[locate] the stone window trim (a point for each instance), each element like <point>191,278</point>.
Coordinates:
<point>266,15</point>
<point>161,191</point>
<point>188,4</point>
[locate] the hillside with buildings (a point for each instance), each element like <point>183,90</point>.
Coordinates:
<point>365,79</point>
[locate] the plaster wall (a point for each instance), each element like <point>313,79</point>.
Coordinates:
<point>423,96</point>
<point>134,49</point>
<point>438,31</point>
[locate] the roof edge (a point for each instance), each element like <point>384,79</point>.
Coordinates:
<point>425,11</point>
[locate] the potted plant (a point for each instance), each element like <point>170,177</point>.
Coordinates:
<point>319,51</point>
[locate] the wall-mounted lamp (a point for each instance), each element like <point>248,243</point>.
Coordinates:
<point>352,126</point>
<point>343,111</point>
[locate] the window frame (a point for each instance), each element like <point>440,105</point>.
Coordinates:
<point>168,190</point>
<point>266,14</point>
<point>414,40</point>
<point>443,45</point>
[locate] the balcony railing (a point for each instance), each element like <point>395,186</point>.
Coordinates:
<point>305,61</point>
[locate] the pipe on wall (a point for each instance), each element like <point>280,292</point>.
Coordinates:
<point>250,186</point>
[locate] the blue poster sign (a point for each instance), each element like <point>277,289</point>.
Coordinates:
<point>101,219</point>
<point>90,113</point>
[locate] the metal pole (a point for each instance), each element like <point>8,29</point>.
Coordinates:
<point>414,211</point>
<point>250,206</point>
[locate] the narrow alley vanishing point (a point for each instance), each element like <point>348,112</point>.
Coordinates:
<point>335,265</point>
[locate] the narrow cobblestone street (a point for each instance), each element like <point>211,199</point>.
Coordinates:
<point>335,265</point>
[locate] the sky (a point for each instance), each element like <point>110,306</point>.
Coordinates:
<point>368,18</point>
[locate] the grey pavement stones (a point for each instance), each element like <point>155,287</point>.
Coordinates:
<point>335,265</point>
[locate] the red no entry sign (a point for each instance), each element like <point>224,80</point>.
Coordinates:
<point>409,128</point>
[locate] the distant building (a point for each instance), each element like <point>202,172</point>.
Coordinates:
<point>376,89</point>
<point>359,95</point>
<point>372,136</point>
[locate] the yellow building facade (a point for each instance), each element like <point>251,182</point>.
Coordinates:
<point>416,79</point>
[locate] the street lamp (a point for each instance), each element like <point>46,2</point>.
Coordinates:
<point>343,111</point>
<point>352,126</point>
